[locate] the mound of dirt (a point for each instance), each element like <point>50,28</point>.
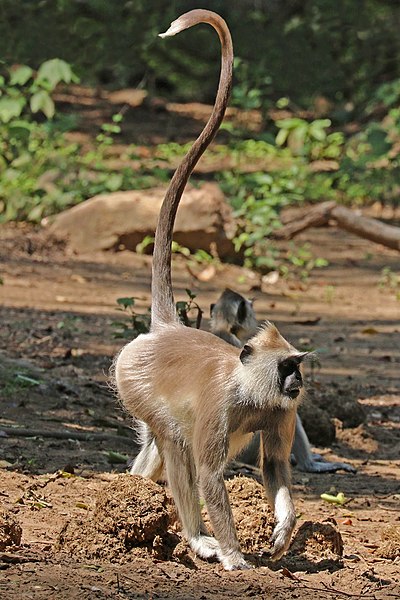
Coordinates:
<point>131,514</point>
<point>319,409</point>
<point>321,540</point>
<point>133,508</point>
<point>390,546</point>
<point>134,516</point>
<point>253,517</point>
<point>315,546</point>
<point>10,530</point>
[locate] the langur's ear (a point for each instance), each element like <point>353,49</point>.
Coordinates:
<point>298,358</point>
<point>212,306</point>
<point>242,311</point>
<point>246,351</point>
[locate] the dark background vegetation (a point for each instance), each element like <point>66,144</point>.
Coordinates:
<point>297,48</point>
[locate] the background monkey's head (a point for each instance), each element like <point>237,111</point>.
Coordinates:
<point>233,318</point>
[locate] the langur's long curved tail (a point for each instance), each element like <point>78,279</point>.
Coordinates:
<point>163,306</point>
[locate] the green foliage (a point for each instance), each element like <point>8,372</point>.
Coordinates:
<point>309,139</point>
<point>251,87</point>
<point>21,89</point>
<point>139,323</point>
<point>299,49</point>
<point>300,261</point>
<point>40,172</point>
<point>257,199</point>
<point>370,167</point>
<point>185,307</point>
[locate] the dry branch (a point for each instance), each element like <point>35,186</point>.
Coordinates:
<point>345,218</point>
<point>316,217</point>
<point>366,227</point>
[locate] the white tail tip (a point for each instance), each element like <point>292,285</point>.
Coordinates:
<point>173,30</point>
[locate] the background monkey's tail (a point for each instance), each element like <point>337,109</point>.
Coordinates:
<point>163,306</point>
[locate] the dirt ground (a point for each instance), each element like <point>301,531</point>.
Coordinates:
<point>64,440</point>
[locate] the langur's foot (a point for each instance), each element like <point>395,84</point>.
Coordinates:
<point>233,561</point>
<point>205,546</point>
<point>323,466</point>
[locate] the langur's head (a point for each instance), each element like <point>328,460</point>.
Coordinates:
<point>274,365</point>
<point>233,314</point>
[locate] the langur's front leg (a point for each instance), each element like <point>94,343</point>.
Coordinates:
<point>275,454</point>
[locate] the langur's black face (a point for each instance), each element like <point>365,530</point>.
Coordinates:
<point>290,377</point>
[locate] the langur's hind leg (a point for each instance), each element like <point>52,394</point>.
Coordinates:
<point>181,476</point>
<point>308,462</point>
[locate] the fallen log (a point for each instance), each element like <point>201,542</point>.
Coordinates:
<point>366,227</point>
<point>316,217</point>
<point>344,218</point>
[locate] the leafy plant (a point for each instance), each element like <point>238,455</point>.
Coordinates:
<point>252,87</point>
<point>300,261</point>
<point>24,91</point>
<point>309,139</point>
<point>184,307</point>
<point>138,323</point>
<point>257,199</point>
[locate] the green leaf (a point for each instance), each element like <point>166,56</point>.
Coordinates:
<point>41,101</point>
<point>125,302</point>
<point>55,70</point>
<point>20,75</point>
<point>191,295</point>
<point>27,379</point>
<point>114,182</point>
<point>181,305</point>
<point>377,138</point>
<point>10,108</point>
<point>20,130</point>
<point>281,137</point>
<point>116,458</point>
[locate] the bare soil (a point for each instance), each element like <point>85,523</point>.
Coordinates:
<point>65,440</point>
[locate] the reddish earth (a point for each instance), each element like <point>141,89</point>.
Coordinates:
<point>56,344</point>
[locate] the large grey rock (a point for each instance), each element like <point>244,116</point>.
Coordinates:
<point>109,221</point>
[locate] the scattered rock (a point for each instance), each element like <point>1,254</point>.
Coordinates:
<point>390,546</point>
<point>124,219</point>
<point>131,96</point>
<point>10,530</point>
